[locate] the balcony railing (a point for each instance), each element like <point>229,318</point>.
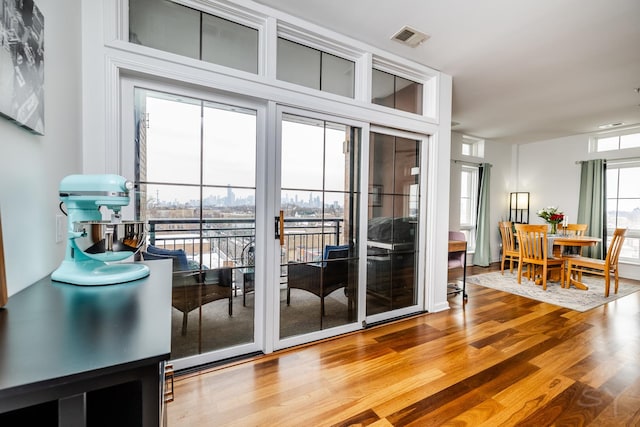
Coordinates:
<point>224,242</point>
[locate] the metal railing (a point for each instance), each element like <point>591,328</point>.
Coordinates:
<point>225,242</point>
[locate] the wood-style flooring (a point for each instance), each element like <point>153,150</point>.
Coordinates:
<point>498,360</point>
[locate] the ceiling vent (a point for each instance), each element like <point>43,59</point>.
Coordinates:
<point>410,36</point>
<point>610,125</point>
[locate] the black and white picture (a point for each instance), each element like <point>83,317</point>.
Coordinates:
<point>22,63</point>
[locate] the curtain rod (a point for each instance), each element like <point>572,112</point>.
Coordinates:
<point>470,163</point>
<point>629,159</point>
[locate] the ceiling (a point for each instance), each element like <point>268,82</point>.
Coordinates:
<point>523,71</point>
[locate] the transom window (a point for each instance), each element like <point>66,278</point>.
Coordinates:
<point>471,146</point>
<point>396,92</point>
<point>313,68</point>
<point>617,142</point>
<point>170,27</point>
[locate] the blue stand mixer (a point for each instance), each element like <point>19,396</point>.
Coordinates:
<point>96,247</point>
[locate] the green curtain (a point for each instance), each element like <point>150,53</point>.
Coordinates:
<point>482,256</point>
<point>592,204</point>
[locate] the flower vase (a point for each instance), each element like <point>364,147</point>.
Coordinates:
<point>554,228</point>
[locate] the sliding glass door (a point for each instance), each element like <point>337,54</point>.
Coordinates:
<point>393,231</point>
<point>262,221</point>
<point>318,224</point>
<point>196,175</point>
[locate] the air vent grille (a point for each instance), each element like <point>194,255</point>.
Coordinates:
<point>410,36</point>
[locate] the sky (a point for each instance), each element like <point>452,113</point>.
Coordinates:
<point>229,151</point>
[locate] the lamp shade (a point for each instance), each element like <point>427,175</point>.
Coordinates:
<point>519,207</point>
<point>523,201</point>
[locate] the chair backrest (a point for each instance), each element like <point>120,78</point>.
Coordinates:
<point>248,257</point>
<point>179,256</point>
<point>457,235</point>
<point>532,241</point>
<point>336,264</point>
<point>508,238</point>
<point>615,247</point>
<point>575,229</point>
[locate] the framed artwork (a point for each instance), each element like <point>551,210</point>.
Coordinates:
<point>3,278</point>
<point>22,64</point>
<point>375,195</point>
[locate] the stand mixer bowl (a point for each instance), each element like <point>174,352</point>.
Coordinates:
<point>108,241</point>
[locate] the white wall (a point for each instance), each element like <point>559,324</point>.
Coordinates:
<point>31,166</point>
<point>499,156</point>
<point>549,171</point>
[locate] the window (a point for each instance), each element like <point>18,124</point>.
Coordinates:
<point>617,142</point>
<point>396,92</point>
<point>469,204</point>
<point>313,68</point>
<point>623,206</point>
<point>473,147</point>
<point>173,28</point>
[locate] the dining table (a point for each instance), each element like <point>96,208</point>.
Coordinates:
<point>560,242</point>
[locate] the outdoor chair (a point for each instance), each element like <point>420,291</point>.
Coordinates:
<point>192,285</point>
<point>320,278</point>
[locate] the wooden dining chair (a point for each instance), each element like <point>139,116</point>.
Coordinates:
<point>605,267</point>
<point>534,252</point>
<point>574,230</point>
<point>509,250</point>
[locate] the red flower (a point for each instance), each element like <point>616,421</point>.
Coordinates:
<point>556,217</point>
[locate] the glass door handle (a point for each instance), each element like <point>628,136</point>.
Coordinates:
<point>279,227</point>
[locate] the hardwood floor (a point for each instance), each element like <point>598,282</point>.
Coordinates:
<point>497,360</point>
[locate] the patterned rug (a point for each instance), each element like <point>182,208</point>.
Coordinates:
<point>572,298</point>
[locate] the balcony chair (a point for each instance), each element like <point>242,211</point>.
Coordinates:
<point>509,250</point>
<point>192,285</point>
<point>534,252</point>
<point>320,278</point>
<point>599,267</point>
<point>246,274</point>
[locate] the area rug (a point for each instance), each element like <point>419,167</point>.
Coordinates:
<point>571,298</point>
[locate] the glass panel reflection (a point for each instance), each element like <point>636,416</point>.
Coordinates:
<point>408,96</point>
<point>392,233</point>
<point>382,88</point>
<point>396,92</point>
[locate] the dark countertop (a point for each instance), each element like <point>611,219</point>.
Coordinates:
<point>52,333</point>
